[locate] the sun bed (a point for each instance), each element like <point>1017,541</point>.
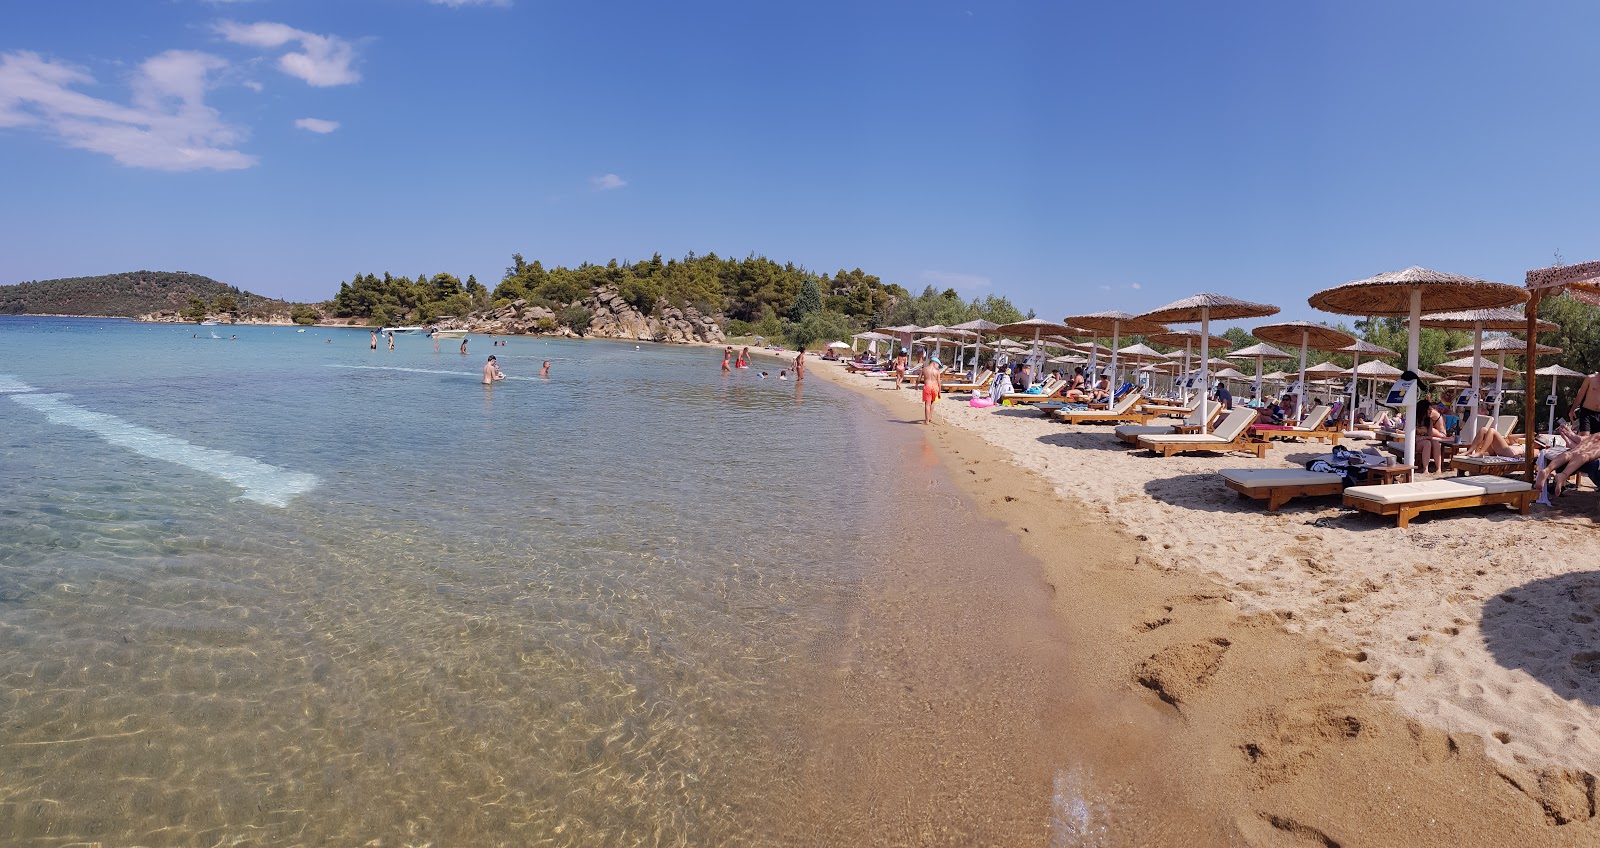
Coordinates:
<point>1123,411</point>
<point>1277,486</point>
<point>1173,411</point>
<point>1231,435</point>
<point>1407,500</point>
<point>1130,433</point>
<point>1311,429</point>
<point>1499,466</point>
<point>985,379</point>
<point>1049,390</point>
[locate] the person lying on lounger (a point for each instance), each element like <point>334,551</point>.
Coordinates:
<point>1581,451</point>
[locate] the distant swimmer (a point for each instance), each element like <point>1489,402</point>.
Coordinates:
<point>464,341</point>
<point>800,364</point>
<point>545,371</point>
<point>491,372</point>
<point>329,341</point>
<point>374,339</point>
<point>391,341</point>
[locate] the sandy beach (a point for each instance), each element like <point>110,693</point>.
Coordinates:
<point>1314,676</point>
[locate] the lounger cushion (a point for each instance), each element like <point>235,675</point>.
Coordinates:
<point>1137,430</point>
<point>1258,478</point>
<point>1437,490</point>
<point>1186,439</point>
<point>1487,460</point>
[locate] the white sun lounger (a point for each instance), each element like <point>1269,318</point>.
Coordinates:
<point>1407,500</point>
<point>1278,486</point>
<point>1231,435</point>
<point>1130,433</point>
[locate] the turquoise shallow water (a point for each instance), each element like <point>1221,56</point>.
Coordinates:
<point>287,591</point>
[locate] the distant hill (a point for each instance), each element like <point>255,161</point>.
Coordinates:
<point>129,295</point>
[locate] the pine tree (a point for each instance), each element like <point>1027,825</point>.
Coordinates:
<point>809,301</point>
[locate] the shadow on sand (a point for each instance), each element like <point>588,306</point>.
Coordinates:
<point>1550,628</point>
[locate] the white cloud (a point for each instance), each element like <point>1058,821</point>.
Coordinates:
<point>167,126</point>
<point>254,86</point>
<point>607,182</point>
<point>322,60</point>
<point>456,4</point>
<point>963,282</point>
<point>1135,286</point>
<point>317,125</point>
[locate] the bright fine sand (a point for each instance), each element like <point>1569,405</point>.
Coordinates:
<point>1326,678</point>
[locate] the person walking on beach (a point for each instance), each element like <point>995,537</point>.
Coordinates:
<point>800,364</point>
<point>931,388</point>
<point>374,339</point>
<point>491,372</point>
<point>464,341</point>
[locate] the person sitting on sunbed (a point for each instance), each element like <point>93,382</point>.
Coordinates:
<point>1489,442</point>
<point>1102,391</point>
<point>1581,450</point>
<point>1431,436</point>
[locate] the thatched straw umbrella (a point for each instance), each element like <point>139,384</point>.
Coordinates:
<point>977,327</point>
<point>1355,349</point>
<point>1035,328</point>
<point>902,334</point>
<point>1411,293</point>
<point>1202,308</point>
<point>1308,336</point>
<point>1478,320</point>
<point>1501,347</point>
<point>1113,322</point>
<point>1186,338</point>
<point>1258,352</point>
<point>1555,373</point>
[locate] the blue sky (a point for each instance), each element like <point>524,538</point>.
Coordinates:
<point>1073,156</point>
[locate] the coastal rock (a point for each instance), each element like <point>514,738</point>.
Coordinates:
<point>611,317</point>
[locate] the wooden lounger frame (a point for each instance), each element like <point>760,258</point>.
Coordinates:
<point>1277,496</point>
<point>1407,511</point>
<point>1243,443</point>
<point>1496,469</point>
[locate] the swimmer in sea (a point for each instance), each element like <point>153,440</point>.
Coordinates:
<point>391,341</point>
<point>464,341</point>
<point>545,370</point>
<point>800,364</point>
<point>744,358</point>
<point>727,353</point>
<point>491,372</point>
<point>374,339</point>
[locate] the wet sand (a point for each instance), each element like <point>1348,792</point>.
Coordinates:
<point>1192,718</point>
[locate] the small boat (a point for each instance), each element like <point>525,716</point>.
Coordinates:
<point>449,334</point>
<point>209,323</point>
<point>301,330</point>
<point>411,330</point>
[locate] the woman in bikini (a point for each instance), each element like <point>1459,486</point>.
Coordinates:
<point>1431,435</point>
<point>727,356</point>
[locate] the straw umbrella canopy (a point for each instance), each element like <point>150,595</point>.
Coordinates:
<point>1355,349</point>
<point>1258,352</point>
<point>1186,339</point>
<point>1203,308</point>
<point>977,327</point>
<point>1478,320</point>
<point>901,334</point>
<point>1115,323</point>
<point>1140,353</point>
<point>1306,335</point>
<point>1501,347</point>
<point>1035,328</point>
<point>1555,373</point>
<point>1412,292</point>
<point>1230,373</point>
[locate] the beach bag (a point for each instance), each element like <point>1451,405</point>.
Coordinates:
<point>1344,463</point>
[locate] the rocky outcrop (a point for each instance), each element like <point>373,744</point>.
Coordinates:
<point>610,317</point>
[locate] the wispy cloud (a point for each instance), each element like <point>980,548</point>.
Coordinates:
<point>322,60</point>
<point>960,282</point>
<point>607,182</point>
<point>254,86</point>
<point>1135,286</point>
<point>317,125</point>
<point>166,126</point>
<point>456,4</point>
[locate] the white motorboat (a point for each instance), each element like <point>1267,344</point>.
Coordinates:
<point>400,330</point>
<point>449,334</point>
<point>209,323</point>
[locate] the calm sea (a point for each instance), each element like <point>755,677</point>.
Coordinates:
<point>283,589</point>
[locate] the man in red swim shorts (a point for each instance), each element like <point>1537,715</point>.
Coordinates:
<point>930,388</point>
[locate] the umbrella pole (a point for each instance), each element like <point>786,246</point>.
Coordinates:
<point>1258,382</point>
<point>1530,453</point>
<point>1413,340</point>
<point>1186,372</point>
<point>1205,362</point>
<point>1116,326</point>
<point>1355,387</point>
<point>1550,427</point>
<point>1477,396</point>
<point>1499,382</point>
<point>1300,387</point>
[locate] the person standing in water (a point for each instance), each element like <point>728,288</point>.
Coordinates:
<point>744,358</point>
<point>464,341</point>
<point>931,388</point>
<point>391,341</point>
<point>491,372</point>
<point>374,339</point>
<point>800,364</point>
<point>545,370</point>
<point>727,355</point>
